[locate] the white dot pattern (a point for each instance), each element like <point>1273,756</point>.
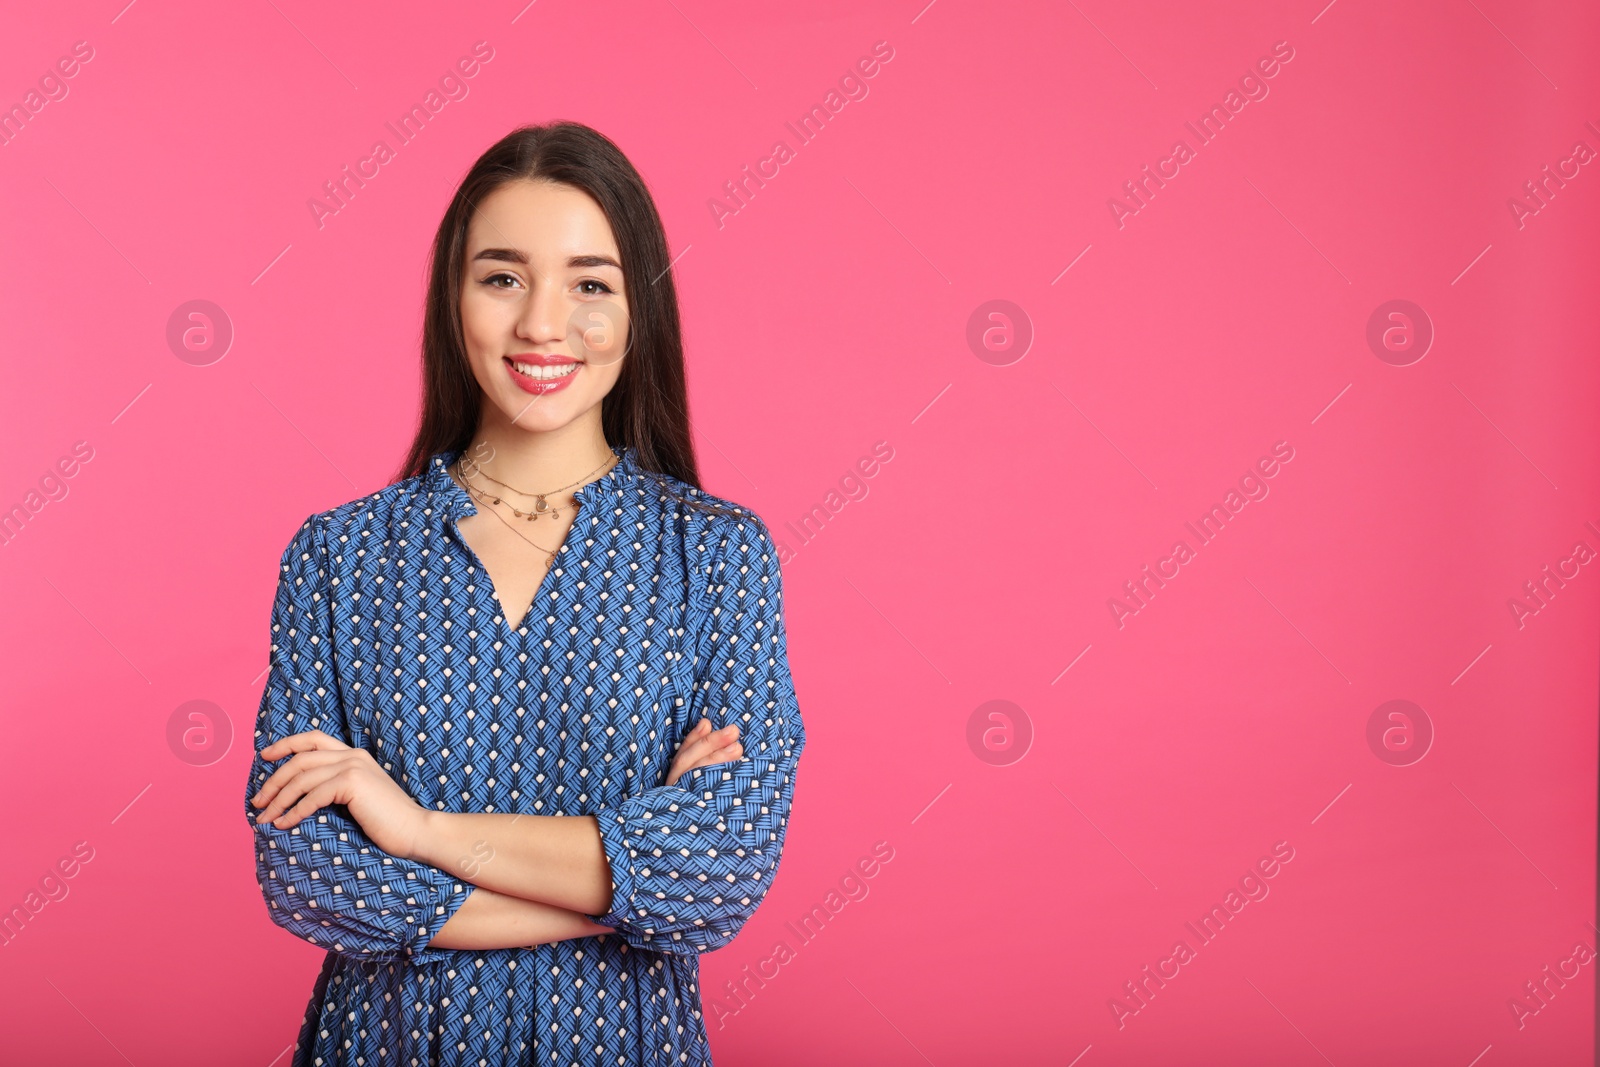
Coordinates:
<point>386,634</point>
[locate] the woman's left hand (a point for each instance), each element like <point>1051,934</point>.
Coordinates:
<point>325,770</point>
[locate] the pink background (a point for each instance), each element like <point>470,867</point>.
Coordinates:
<point>829,313</point>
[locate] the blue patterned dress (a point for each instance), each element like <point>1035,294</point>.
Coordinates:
<point>387,635</point>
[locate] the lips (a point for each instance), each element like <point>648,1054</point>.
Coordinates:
<point>537,373</point>
<point>542,359</point>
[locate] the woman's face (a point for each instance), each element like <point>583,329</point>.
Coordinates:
<point>543,307</point>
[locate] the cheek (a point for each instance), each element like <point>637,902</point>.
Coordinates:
<point>478,321</point>
<point>606,376</point>
<point>601,381</point>
<point>615,355</point>
<point>597,333</point>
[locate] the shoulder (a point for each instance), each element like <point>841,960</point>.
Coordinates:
<point>727,544</point>
<point>325,534</point>
<point>709,522</point>
<point>396,499</point>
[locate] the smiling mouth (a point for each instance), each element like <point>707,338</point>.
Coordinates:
<point>542,372</point>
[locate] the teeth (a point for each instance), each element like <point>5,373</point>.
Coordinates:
<point>532,370</point>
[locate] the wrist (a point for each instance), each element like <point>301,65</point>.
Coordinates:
<point>426,837</point>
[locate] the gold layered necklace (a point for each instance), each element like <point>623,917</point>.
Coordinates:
<point>541,505</point>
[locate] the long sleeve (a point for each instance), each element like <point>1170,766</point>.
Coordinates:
<point>691,862</point>
<point>324,880</point>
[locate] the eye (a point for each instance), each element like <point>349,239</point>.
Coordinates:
<point>491,280</point>
<point>603,287</point>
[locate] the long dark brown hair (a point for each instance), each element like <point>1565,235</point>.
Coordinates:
<point>647,410</point>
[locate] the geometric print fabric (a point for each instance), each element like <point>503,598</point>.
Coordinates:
<point>387,635</point>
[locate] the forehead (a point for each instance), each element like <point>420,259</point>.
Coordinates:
<point>546,220</point>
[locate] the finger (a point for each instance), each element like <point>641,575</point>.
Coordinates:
<point>682,760</point>
<point>297,764</point>
<point>320,797</point>
<point>724,754</point>
<point>294,793</point>
<point>696,747</point>
<point>696,733</point>
<point>680,767</point>
<point>292,743</point>
<point>673,773</point>
<point>294,790</point>
<point>301,742</point>
<point>715,755</point>
<point>292,767</point>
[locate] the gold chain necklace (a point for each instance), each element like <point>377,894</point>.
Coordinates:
<point>540,505</point>
<point>488,498</point>
<point>477,494</point>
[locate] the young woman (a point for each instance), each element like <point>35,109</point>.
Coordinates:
<point>528,742</point>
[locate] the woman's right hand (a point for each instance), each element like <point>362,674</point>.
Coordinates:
<point>703,747</point>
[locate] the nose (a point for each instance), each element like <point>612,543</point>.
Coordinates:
<point>544,313</point>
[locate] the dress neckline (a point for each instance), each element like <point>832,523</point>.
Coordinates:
<point>459,503</point>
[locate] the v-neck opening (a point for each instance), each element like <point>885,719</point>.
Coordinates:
<point>520,629</point>
<point>502,617</point>
<point>463,505</point>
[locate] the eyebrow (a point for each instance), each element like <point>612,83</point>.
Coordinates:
<point>515,255</point>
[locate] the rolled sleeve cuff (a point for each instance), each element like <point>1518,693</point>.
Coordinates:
<point>446,901</point>
<point>620,856</point>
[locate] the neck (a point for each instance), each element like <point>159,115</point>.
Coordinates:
<point>542,461</point>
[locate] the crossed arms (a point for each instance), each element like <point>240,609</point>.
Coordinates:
<point>348,860</point>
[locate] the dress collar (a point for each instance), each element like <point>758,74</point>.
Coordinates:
<point>608,487</point>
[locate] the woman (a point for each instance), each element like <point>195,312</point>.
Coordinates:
<point>525,753</point>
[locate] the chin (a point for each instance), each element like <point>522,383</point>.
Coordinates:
<point>543,414</point>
